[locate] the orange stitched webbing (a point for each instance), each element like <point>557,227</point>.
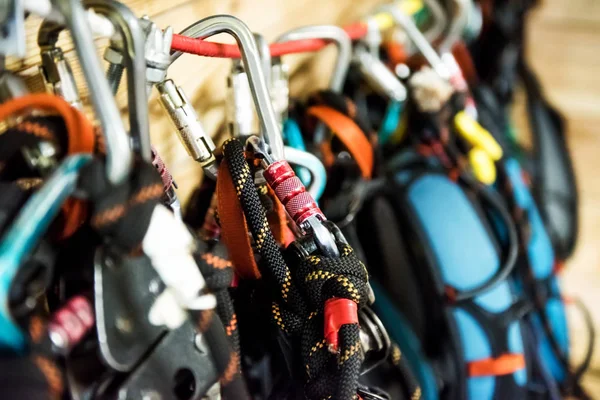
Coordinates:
<point>79,128</point>
<point>504,365</point>
<point>349,134</point>
<point>52,374</point>
<point>233,226</point>
<point>72,215</point>
<point>81,140</point>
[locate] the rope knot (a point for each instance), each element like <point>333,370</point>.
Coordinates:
<point>336,288</point>
<point>323,278</point>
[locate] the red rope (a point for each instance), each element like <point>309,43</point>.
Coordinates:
<point>201,47</point>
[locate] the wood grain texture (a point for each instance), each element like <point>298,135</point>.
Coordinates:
<point>563,42</point>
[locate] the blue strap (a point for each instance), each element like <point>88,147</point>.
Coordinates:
<point>390,121</point>
<point>24,235</point>
<point>293,136</point>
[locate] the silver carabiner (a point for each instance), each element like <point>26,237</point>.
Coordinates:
<point>439,17</point>
<point>344,45</point>
<point>135,63</point>
<point>328,32</point>
<point>240,112</point>
<point>457,25</point>
<point>420,41</point>
<point>252,64</point>
<point>119,155</point>
<point>133,39</point>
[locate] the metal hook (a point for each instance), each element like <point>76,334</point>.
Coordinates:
<point>118,155</point>
<point>265,55</point>
<point>315,167</point>
<point>241,114</point>
<point>12,40</point>
<point>344,45</point>
<point>299,157</point>
<point>419,40</point>
<point>328,32</point>
<point>440,20</point>
<point>134,59</point>
<point>252,64</point>
<point>134,41</point>
<point>457,25</point>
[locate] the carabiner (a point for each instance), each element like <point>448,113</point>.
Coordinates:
<point>119,156</point>
<point>252,64</point>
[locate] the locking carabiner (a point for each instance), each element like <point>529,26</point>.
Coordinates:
<point>251,59</point>
<point>119,156</point>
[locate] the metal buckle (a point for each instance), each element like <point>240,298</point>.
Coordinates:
<point>374,339</point>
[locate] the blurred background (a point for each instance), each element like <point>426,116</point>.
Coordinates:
<point>563,47</point>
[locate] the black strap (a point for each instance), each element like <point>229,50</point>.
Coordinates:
<point>122,214</point>
<point>496,327</point>
<point>218,274</point>
<point>554,184</point>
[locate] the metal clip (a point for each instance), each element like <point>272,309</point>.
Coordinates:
<point>194,138</point>
<point>240,112</point>
<point>58,76</point>
<point>252,65</point>
<point>374,339</point>
<point>457,26</point>
<point>373,38</point>
<point>158,52</point>
<point>298,203</point>
<point>119,155</point>
<point>379,76</point>
<point>277,77</point>
<point>12,40</point>
<point>418,39</point>
<point>344,45</point>
<point>11,86</point>
<point>280,89</point>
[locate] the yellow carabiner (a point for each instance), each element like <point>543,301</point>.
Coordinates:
<point>483,167</point>
<point>477,135</point>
